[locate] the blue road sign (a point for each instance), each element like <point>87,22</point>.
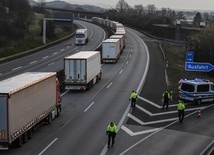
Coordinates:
<point>197,66</point>
<point>189,56</point>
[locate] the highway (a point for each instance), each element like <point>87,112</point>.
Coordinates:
<point>81,127</point>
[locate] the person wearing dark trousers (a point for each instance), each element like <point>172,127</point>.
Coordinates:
<point>133,98</point>
<point>166,98</point>
<point>181,108</point>
<point>111,132</point>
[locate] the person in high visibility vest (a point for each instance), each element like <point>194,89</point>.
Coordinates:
<point>111,132</point>
<point>133,98</point>
<point>166,98</point>
<point>181,108</point>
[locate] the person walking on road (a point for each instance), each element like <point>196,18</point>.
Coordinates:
<point>133,98</point>
<point>166,98</point>
<point>111,132</point>
<point>181,108</point>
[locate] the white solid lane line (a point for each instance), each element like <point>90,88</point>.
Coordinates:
<point>151,122</point>
<point>128,131</point>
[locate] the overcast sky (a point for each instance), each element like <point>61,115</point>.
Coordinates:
<point>172,4</point>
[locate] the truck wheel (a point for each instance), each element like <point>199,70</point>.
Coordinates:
<point>19,141</point>
<point>100,75</point>
<point>25,137</point>
<point>49,118</point>
<point>58,110</point>
<point>97,79</point>
<point>30,133</point>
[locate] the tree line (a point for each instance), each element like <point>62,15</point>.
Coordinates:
<point>142,18</point>
<point>14,21</point>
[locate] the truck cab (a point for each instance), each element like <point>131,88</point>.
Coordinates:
<point>81,36</point>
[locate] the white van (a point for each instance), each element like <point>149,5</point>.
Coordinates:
<point>197,90</point>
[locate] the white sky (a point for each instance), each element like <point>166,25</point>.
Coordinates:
<point>172,4</point>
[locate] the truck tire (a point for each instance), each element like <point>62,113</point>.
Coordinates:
<point>58,110</point>
<point>19,141</point>
<point>25,137</point>
<point>30,133</point>
<point>49,118</point>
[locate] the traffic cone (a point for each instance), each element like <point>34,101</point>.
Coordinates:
<point>199,113</point>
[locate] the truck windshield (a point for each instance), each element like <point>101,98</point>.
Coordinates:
<point>80,35</point>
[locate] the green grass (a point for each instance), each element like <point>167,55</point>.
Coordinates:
<point>32,39</point>
<point>175,55</point>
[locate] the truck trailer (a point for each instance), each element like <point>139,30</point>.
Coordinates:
<point>81,36</point>
<point>27,100</point>
<point>82,70</point>
<point>122,41</point>
<point>110,50</point>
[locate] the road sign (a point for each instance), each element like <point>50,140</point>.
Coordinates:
<point>189,56</point>
<point>197,66</point>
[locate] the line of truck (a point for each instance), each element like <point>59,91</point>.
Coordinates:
<point>32,98</point>
<point>83,69</point>
<point>112,47</point>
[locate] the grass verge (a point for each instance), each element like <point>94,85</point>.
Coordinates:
<point>175,58</point>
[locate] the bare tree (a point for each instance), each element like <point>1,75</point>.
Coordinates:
<point>151,9</point>
<point>122,6</point>
<point>139,8</point>
<point>180,15</point>
<point>206,16</point>
<point>41,2</point>
<point>197,19</point>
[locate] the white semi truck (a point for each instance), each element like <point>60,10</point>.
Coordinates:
<point>110,50</point>
<point>82,70</point>
<point>27,100</point>
<point>81,36</point>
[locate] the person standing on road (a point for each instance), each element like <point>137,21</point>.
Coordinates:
<point>133,98</point>
<point>181,108</point>
<point>111,132</point>
<point>166,98</point>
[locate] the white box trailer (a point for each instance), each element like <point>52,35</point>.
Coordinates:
<point>122,41</point>
<point>25,101</point>
<point>122,32</point>
<point>82,70</point>
<point>110,50</point>
<point>81,36</point>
